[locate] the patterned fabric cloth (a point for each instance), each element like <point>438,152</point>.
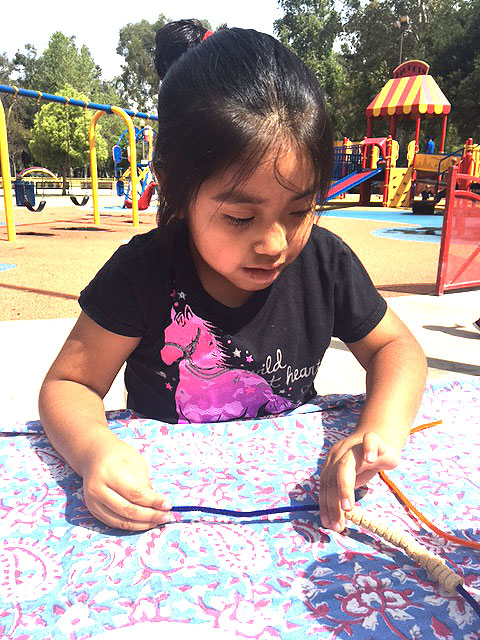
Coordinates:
<point>65,575</point>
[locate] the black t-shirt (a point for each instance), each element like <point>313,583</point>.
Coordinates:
<point>200,361</point>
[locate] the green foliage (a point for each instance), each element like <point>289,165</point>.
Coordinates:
<point>138,83</point>
<point>62,69</point>
<point>309,28</point>
<point>18,134</point>
<point>6,68</point>
<point>60,136</point>
<point>437,32</point>
<point>455,62</point>
<point>26,65</point>
<point>63,64</point>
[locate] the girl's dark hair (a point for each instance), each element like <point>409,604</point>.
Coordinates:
<point>227,101</point>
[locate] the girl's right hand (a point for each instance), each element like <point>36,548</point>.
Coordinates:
<point>117,489</point>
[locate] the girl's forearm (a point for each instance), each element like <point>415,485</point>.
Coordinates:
<point>395,384</point>
<point>73,417</point>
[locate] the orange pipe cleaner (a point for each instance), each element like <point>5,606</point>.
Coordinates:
<point>411,506</point>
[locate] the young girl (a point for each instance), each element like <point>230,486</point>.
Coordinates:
<point>226,309</point>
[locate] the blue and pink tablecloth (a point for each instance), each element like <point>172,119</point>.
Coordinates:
<point>65,575</point>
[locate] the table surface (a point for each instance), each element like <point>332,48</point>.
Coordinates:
<point>63,574</point>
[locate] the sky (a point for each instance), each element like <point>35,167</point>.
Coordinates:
<point>96,23</point>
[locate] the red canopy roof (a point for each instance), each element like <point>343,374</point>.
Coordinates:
<point>409,93</point>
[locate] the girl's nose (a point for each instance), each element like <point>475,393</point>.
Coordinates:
<point>273,240</point>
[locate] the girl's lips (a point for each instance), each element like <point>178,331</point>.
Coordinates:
<point>264,275</point>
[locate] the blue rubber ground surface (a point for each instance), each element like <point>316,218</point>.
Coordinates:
<point>426,228</point>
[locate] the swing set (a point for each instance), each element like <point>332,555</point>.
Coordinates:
<point>20,186</point>
<point>21,194</point>
<point>100,110</point>
<point>85,197</point>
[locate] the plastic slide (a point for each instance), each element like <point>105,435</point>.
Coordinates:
<point>144,200</point>
<point>349,182</point>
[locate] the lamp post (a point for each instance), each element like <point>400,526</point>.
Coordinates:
<point>402,23</point>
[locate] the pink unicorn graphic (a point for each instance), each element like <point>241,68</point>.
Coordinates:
<point>209,391</point>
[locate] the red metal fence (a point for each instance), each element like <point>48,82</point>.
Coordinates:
<point>459,261</point>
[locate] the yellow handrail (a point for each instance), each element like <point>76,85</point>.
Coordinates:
<point>25,172</point>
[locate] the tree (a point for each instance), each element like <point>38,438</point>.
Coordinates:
<point>60,136</point>
<point>18,135</point>
<point>26,65</point>
<point>371,48</point>
<point>138,82</point>
<point>310,28</point>
<point>455,60</point>
<point>6,68</point>
<point>63,64</point>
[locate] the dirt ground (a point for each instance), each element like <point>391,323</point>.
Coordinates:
<point>58,251</point>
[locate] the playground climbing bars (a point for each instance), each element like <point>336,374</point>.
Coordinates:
<point>101,109</point>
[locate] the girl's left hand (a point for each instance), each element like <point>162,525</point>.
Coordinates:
<point>351,463</point>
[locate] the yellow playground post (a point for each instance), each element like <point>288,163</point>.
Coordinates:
<point>6,177</point>
<point>133,163</point>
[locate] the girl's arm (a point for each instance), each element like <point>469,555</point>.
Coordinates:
<point>396,374</point>
<point>115,477</point>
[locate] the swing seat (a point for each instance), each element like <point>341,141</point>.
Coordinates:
<point>82,203</point>
<point>30,207</point>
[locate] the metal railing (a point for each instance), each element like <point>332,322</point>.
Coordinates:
<point>346,160</point>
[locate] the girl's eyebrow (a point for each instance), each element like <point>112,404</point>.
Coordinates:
<point>235,196</point>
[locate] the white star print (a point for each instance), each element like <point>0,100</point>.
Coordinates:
<point>237,353</point>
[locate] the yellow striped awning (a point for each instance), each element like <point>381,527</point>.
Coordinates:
<point>409,96</point>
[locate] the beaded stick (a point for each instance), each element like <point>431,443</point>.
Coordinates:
<point>435,566</point>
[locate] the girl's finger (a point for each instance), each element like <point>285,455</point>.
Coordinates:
<point>128,511</point>
<point>135,510</point>
<point>119,521</point>
<point>325,487</point>
<point>346,479</point>
<point>370,447</point>
<point>365,477</point>
<point>138,493</point>
<point>343,475</point>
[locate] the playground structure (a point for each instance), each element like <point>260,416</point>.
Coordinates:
<point>356,163</point>
<point>121,156</point>
<point>431,171</point>
<point>100,110</point>
<point>25,196</point>
<point>25,191</point>
<point>411,93</point>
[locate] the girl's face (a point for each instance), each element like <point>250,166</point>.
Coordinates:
<point>242,239</point>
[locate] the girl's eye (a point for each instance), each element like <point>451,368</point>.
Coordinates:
<point>237,222</point>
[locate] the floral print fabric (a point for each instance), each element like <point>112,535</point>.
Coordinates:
<point>65,575</point>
